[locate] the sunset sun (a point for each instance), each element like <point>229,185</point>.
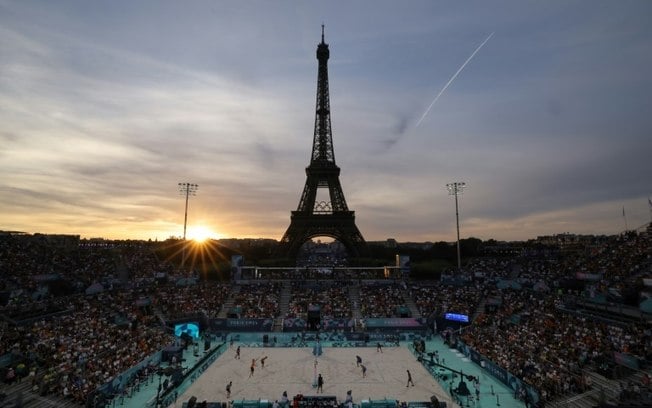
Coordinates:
<point>201,233</point>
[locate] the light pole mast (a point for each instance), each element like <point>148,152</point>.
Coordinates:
<point>456,188</point>
<point>188,189</point>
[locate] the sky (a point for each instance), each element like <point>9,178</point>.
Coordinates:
<point>543,109</point>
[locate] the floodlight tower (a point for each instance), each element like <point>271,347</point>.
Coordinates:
<point>456,188</point>
<point>188,189</point>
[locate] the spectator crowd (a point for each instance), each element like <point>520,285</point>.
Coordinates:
<point>69,340</point>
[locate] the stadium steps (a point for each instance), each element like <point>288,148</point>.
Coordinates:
<point>121,268</point>
<point>15,391</point>
<point>588,399</point>
<point>284,305</point>
<point>228,304</point>
<point>602,390</point>
<point>354,297</point>
<point>409,302</point>
<point>615,312</point>
<point>610,388</point>
<point>480,309</point>
<point>159,314</point>
<point>635,377</point>
<point>22,395</point>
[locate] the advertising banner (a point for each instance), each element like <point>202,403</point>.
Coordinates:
<point>395,323</point>
<point>627,360</point>
<point>588,276</point>
<point>294,324</point>
<point>242,325</point>
<point>337,324</point>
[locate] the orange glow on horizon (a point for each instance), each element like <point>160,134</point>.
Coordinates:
<point>201,233</point>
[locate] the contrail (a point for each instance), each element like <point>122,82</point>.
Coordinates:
<point>452,79</point>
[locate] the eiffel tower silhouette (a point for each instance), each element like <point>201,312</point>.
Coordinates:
<point>322,218</point>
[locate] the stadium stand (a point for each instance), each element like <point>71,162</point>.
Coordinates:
<point>77,314</point>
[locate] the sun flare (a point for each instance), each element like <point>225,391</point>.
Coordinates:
<point>201,233</point>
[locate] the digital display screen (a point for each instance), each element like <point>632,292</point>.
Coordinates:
<point>190,328</point>
<point>457,317</point>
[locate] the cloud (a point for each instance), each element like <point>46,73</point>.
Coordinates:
<point>105,108</point>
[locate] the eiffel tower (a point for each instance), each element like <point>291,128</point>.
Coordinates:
<point>321,218</point>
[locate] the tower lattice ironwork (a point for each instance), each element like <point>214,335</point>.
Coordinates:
<point>315,217</point>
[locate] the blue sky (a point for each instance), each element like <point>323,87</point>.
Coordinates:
<point>106,106</point>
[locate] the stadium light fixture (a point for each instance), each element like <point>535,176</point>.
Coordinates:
<point>455,189</point>
<point>188,189</point>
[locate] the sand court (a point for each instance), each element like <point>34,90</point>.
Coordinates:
<point>293,370</point>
